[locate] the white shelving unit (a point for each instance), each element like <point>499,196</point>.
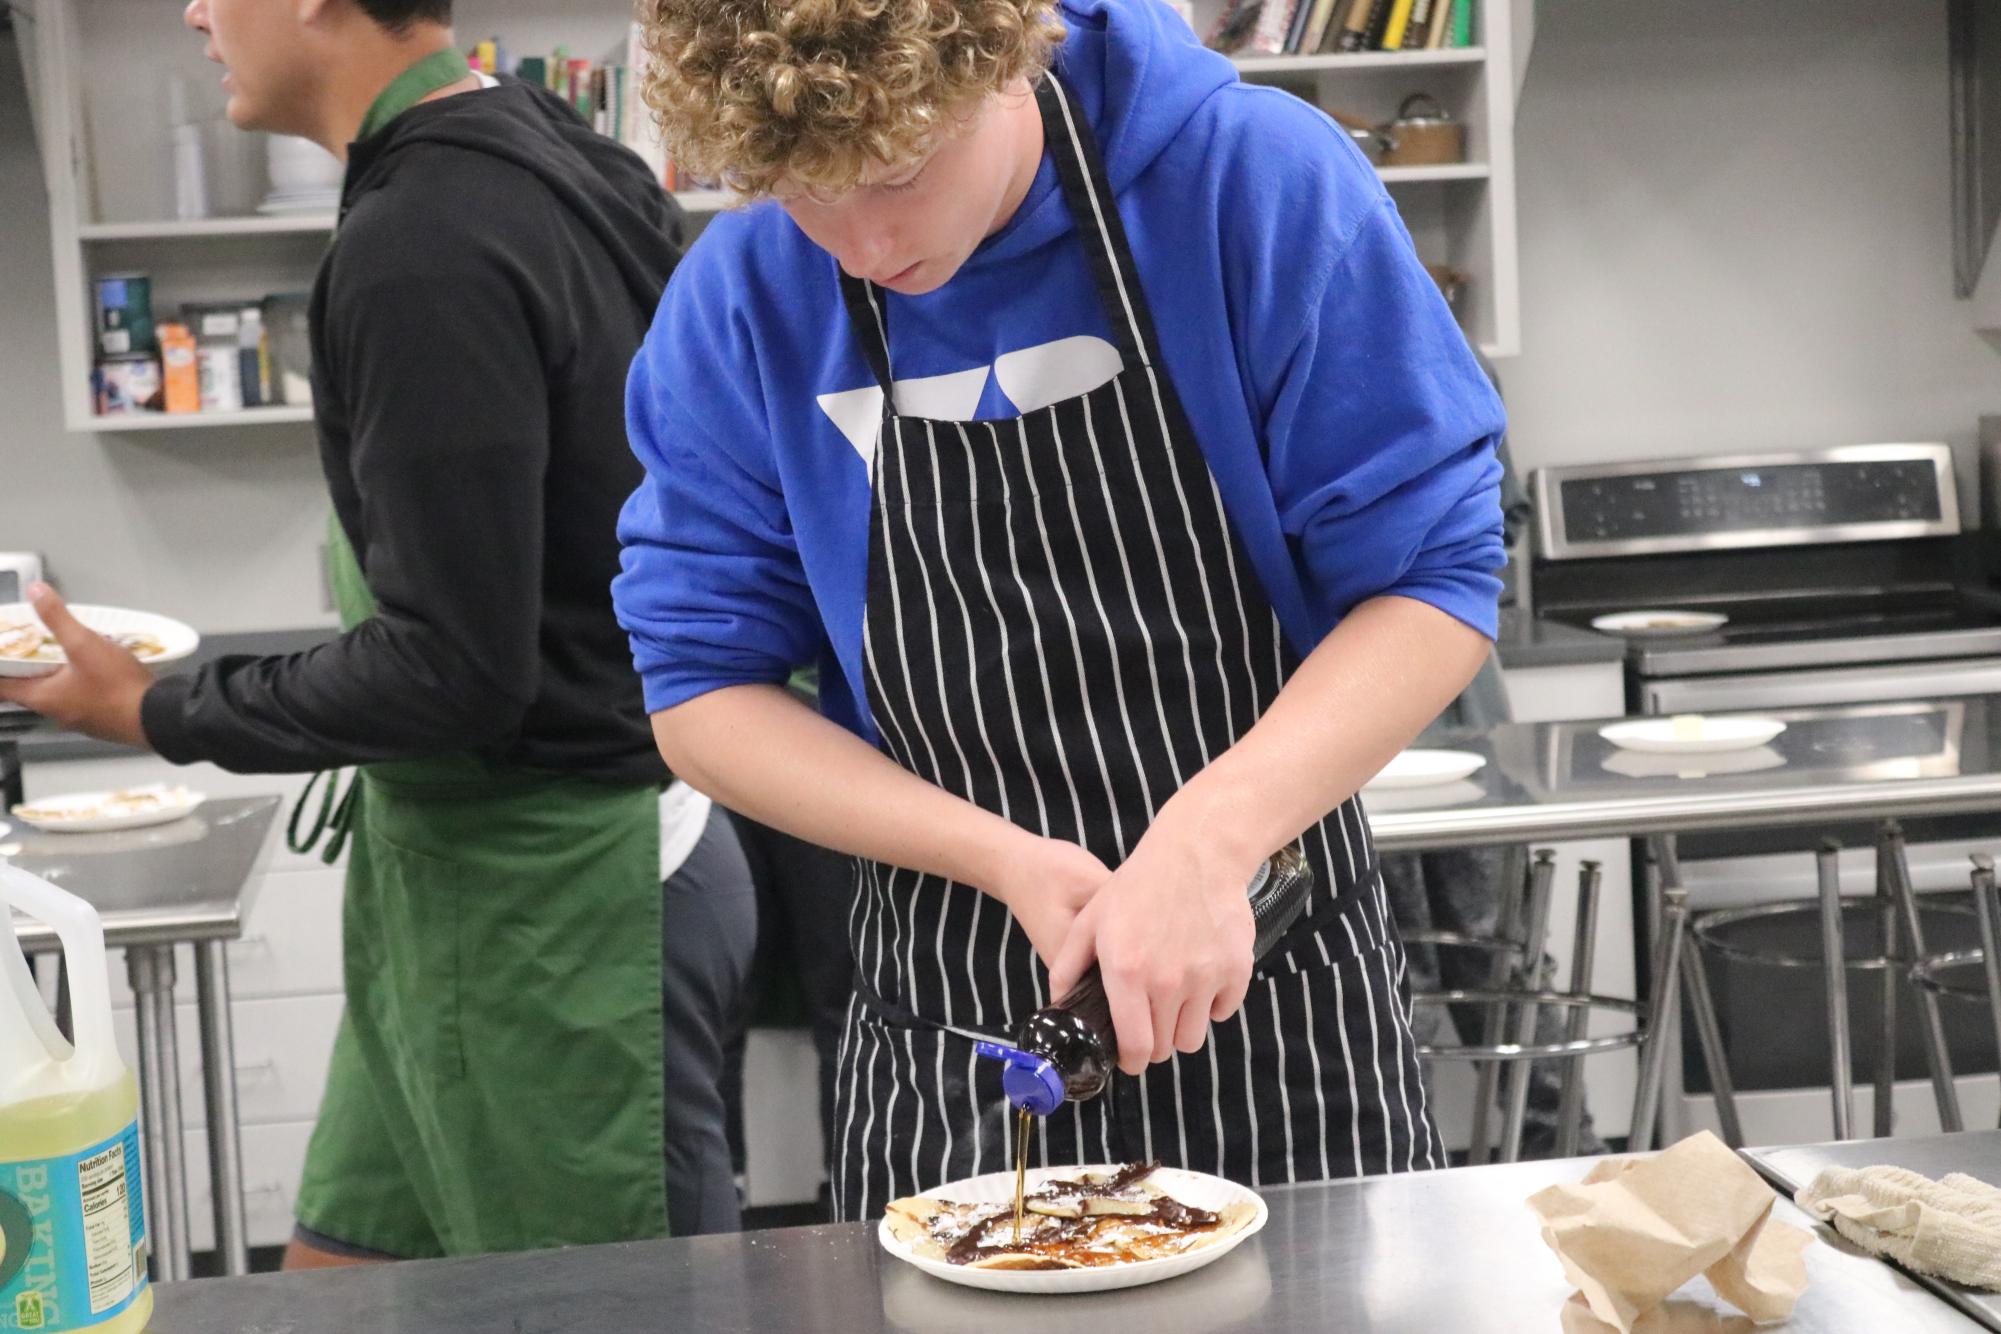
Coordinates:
<point>104,155</point>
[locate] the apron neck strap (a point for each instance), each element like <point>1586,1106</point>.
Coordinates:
<point>1095,211</point>
<point>440,69</point>
<point>1087,190</point>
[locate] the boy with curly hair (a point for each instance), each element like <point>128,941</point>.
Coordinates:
<point>1087,416</point>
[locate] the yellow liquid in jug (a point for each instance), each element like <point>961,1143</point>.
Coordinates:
<point>70,1123</point>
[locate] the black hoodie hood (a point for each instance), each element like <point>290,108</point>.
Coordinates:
<point>605,185</point>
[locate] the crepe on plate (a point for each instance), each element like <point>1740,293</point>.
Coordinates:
<point>31,643</point>
<point>1085,1221</point>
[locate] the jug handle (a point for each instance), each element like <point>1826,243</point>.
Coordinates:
<point>81,931</point>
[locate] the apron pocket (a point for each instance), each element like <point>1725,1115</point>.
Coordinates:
<point>405,966</point>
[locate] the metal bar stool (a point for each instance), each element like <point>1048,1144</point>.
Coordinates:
<point>1897,918</point>
<point>1511,1011</point>
<point>1929,974</point>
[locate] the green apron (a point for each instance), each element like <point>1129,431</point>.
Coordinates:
<point>497,1081</point>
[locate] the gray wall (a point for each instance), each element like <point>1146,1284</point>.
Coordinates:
<point>1734,235</point>
<point>1734,223</point>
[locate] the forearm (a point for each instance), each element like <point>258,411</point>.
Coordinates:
<point>1387,670</point>
<point>763,753</point>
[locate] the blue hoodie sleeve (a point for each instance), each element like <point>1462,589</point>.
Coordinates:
<point>1379,423</point>
<point>713,592</point>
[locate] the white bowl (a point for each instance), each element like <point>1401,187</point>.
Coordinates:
<point>1425,768</point>
<point>85,813</point>
<point>1194,1188</point>
<point>1660,622</point>
<point>177,640</point>
<point>1692,734</point>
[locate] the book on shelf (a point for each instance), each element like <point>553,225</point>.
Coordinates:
<point>1322,18</point>
<point>1355,29</point>
<point>1396,25</point>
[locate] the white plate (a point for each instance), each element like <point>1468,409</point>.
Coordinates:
<point>177,640</point>
<point>1716,764</point>
<point>1692,734</point>
<point>1194,1188</point>
<point>84,813</point>
<point>1432,797</point>
<point>1425,768</point>
<point>1660,622</point>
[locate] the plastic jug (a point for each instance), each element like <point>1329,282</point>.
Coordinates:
<point>72,1222</point>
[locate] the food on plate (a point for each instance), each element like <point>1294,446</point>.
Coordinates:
<point>1084,1221</point>
<point>140,646</point>
<point>27,643</point>
<point>31,643</point>
<point>111,805</point>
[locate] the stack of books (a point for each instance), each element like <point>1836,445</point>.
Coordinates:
<point>606,93</point>
<point>1310,27</point>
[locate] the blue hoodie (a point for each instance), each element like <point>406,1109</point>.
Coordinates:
<point>1347,423</point>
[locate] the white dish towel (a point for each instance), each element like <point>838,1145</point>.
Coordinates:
<point>1949,1229</point>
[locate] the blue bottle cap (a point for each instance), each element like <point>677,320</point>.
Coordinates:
<point>1029,1081</point>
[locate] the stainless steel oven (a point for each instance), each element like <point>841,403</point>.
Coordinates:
<point>1845,582</point>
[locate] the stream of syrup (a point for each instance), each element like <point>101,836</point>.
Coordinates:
<point>1020,1171</point>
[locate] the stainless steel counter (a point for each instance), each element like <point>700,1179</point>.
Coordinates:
<point>185,881</point>
<point>188,882</point>
<point>1563,781</point>
<point>1975,1152</point>
<point>1424,1254</point>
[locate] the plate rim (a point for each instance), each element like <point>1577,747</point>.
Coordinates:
<point>1702,620</point>
<point>193,802</point>
<point>180,629</point>
<point>1667,745</point>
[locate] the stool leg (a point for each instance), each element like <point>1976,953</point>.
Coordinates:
<point>1515,1082</point>
<point>1583,952</point>
<point>1664,997</point>
<point>1943,1089</point>
<point>1893,976</point>
<point>1834,964</point>
<point>1709,1036</point>
<point>1486,1089</point>
<point>1986,903</point>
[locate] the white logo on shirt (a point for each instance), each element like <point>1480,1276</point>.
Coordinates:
<point>1031,378</point>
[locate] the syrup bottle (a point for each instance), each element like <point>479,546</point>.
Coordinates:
<point>1068,1050</point>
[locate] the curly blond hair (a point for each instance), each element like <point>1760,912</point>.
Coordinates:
<point>815,93</point>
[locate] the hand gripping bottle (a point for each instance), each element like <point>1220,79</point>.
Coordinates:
<point>72,1224</point>
<point>1068,1050</point>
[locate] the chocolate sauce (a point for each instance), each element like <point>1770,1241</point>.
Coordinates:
<point>1064,1242</point>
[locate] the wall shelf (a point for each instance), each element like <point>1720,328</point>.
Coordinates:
<point>183,421</point>
<point>1256,67</point>
<point>1451,171</point>
<point>203,228</point>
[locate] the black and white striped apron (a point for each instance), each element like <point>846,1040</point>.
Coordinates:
<point>1061,628</point>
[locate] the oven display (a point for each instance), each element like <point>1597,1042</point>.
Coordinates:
<point>1742,500</point>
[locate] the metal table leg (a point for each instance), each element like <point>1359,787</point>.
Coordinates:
<point>1834,963</point>
<point>1515,1084</point>
<point>225,1149</point>
<point>1583,954</point>
<point>1514,883</point>
<point>1708,1028</point>
<point>151,971</point>
<point>1943,1089</point>
<point>1664,996</point>
<point>1893,975</point>
<point>1988,906</point>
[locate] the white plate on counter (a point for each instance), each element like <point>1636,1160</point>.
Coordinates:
<point>1425,768</point>
<point>1660,621</point>
<point>172,640</point>
<point>101,812</point>
<point>1198,1189</point>
<point>1692,733</point>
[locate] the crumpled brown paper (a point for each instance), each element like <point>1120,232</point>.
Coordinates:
<point>1636,1229</point>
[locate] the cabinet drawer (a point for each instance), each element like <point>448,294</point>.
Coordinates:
<point>282,1048</point>
<point>274,1157</point>
<point>290,944</point>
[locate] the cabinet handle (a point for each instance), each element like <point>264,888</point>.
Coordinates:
<point>258,1068</point>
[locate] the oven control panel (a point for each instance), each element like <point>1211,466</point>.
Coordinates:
<point>1841,495</point>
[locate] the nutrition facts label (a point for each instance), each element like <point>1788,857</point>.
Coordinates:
<point>107,1226</point>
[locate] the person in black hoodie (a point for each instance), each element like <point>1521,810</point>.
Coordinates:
<point>497,1080</point>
